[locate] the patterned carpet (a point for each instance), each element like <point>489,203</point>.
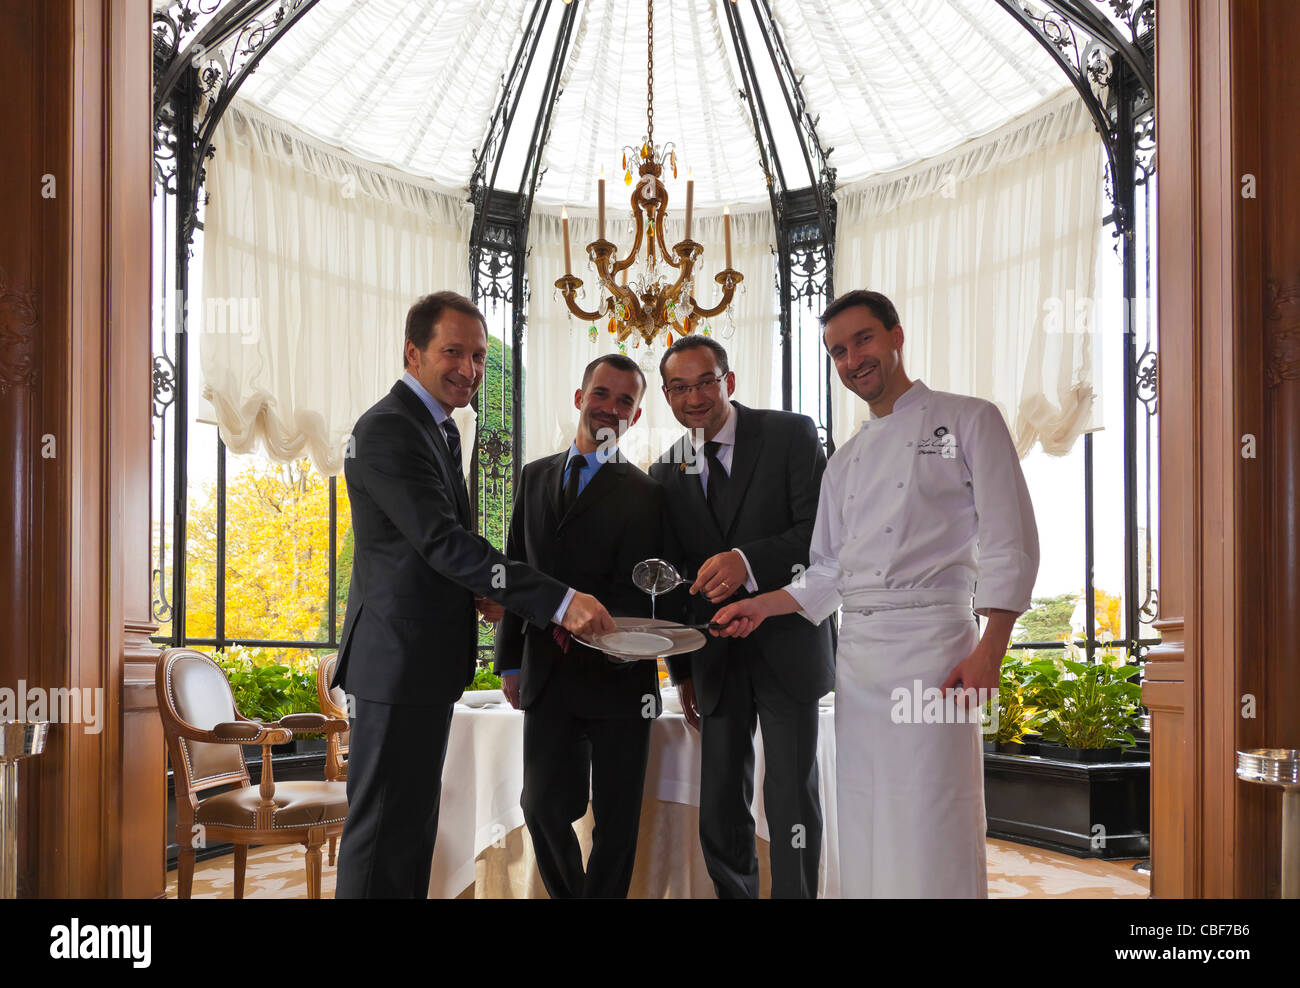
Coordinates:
<point>1016,871</point>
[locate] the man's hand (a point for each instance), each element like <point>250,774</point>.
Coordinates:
<point>690,709</point>
<point>586,617</point>
<point>982,669</point>
<point>490,609</point>
<point>510,687</point>
<point>740,618</point>
<point>721,576</point>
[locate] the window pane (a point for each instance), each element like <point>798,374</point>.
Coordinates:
<point>277,545</point>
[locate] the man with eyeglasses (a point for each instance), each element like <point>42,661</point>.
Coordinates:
<point>741,491</point>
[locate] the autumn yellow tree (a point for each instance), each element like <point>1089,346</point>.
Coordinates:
<point>277,555</point>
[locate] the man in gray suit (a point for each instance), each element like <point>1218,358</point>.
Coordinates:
<point>740,512</point>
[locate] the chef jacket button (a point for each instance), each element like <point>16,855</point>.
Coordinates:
<point>888,528</point>
<point>850,497</point>
<point>877,572</point>
<point>900,483</point>
<point>909,442</point>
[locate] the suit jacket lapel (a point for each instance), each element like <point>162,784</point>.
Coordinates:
<point>692,489</point>
<point>596,487</point>
<point>744,456</point>
<point>454,474</point>
<point>552,484</point>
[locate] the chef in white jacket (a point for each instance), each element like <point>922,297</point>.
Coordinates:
<point>923,517</point>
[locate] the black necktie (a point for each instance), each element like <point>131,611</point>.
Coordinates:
<point>453,443</point>
<point>715,492</point>
<point>571,485</point>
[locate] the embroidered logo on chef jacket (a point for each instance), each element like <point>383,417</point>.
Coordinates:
<point>942,443</point>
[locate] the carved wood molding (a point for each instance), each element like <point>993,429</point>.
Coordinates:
<point>1282,330</point>
<point>18,365</point>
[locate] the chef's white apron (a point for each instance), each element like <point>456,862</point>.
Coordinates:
<point>910,794</point>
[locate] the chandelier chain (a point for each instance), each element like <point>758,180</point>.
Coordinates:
<point>650,73</point>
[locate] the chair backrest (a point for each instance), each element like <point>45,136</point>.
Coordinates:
<point>333,703</point>
<point>194,691</point>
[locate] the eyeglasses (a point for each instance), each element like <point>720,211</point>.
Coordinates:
<point>682,390</point>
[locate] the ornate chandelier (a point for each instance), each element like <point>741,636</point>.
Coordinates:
<point>654,302</point>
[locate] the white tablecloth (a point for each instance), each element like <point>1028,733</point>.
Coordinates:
<point>483,778</point>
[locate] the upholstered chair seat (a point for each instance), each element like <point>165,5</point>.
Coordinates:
<point>205,735</point>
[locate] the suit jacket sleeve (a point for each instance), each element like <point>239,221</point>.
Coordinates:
<point>774,559</point>
<point>510,632</point>
<point>397,467</point>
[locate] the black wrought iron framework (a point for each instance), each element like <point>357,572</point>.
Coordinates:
<point>199,67</point>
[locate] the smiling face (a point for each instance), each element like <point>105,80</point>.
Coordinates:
<point>451,366</point>
<point>610,404</point>
<point>867,354</point>
<point>703,408</point>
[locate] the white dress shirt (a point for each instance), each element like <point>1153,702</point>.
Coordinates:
<point>726,440</point>
<point>930,497</point>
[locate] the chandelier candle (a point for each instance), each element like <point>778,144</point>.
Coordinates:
<point>568,261</point>
<point>690,202</point>
<point>726,232</point>
<point>600,208</point>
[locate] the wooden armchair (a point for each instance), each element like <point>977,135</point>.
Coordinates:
<point>204,733</point>
<point>333,703</point>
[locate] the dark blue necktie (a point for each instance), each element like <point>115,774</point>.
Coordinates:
<point>571,487</point>
<point>453,443</point>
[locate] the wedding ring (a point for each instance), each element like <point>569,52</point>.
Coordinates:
<point>724,584</point>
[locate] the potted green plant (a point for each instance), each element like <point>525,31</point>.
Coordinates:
<point>1089,709</point>
<point>266,689</point>
<point>1017,718</point>
<point>1086,791</point>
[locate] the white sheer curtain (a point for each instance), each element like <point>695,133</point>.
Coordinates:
<point>311,260</point>
<point>989,253</point>
<point>558,345</point>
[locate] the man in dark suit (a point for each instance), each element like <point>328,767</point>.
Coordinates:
<point>740,509</point>
<point>410,636</point>
<point>586,517</point>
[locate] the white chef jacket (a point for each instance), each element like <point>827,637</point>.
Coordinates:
<point>928,497</point>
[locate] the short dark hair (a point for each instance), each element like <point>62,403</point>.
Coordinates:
<point>422,317</point>
<point>693,341</point>
<point>619,362</point>
<point>880,307</point>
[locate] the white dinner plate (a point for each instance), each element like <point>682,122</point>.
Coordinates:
<point>481,698</point>
<point>644,638</point>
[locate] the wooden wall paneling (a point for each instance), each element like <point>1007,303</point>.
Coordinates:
<point>1229,305</point>
<point>1277,316</point>
<point>74,367</point>
<point>1173,799</point>
<point>1250,853</point>
<point>141,799</point>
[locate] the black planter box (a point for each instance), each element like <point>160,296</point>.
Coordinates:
<point>1056,802</point>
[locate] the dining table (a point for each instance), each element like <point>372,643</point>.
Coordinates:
<point>483,849</point>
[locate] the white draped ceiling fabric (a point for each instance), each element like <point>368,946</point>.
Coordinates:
<point>311,260</point>
<point>989,254</point>
<point>397,95</point>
